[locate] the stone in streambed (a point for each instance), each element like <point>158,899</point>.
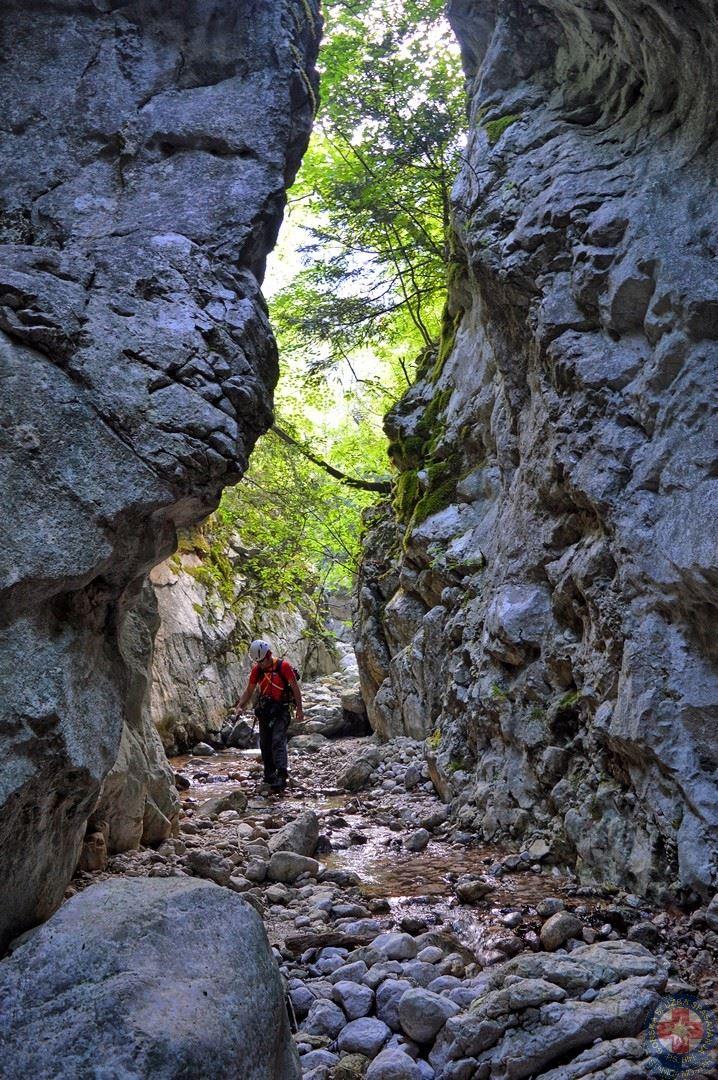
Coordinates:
<point>299,835</point>
<point>471,889</point>
<point>388,996</point>
<point>324,1018</point>
<point>207,864</point>
<point>202,749</point>
<point>233,800</point>
<point>157,977</point>
<point>395,946</point>
<point>422,1014</point>
<point>355,999</point>
<point>556,931</point>
<point>287,866</point>
<point>365,1036</point>
<point>393,1064</point>
<point>418,840</point>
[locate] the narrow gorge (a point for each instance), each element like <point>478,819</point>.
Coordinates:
<point>496,857</point>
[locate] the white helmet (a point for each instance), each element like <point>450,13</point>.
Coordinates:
<point>258,650</point>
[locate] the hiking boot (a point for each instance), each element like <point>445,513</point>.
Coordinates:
<point>278,784</point>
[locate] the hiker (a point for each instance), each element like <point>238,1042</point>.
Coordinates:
<point>278,688</point>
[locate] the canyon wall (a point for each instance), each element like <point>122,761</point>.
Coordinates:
<point>540,599</point>
<point>146,148</point>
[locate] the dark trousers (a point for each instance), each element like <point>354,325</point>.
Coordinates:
<point>273,742</point>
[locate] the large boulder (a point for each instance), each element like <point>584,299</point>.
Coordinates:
<point>155,977</point>
<point>136,360</point>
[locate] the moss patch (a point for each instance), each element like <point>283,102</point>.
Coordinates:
<point>495,128</point>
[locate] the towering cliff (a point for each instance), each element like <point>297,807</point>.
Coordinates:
<point>145,152</point>
<point>541,597</point>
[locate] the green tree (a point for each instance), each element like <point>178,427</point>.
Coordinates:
<point>374,188</point>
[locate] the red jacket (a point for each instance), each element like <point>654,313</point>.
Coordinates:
<point>271,683</point>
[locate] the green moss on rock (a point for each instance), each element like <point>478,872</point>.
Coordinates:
<point>495,128</point>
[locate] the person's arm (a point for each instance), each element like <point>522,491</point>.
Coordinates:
<point>245,698</point>
<point>297,694</point>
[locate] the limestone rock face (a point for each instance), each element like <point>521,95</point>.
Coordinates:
<point>144,156</point>
<point>200,664</point>
<point>156,977</point>
<point>552,612</point>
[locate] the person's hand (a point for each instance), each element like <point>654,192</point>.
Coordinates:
<point>300,714</point>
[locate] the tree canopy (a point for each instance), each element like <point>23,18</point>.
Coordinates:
<point>366,294</point>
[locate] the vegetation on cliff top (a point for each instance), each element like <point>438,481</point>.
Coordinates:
<point>362,300</point>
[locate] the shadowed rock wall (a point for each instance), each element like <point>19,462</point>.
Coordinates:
<point>145,152</point>
<point>551,615</point>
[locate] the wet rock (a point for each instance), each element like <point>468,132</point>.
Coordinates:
<point>203,749</point>
<point>233,800</point>
<point>422,1014</point>
<point>470,889</point>
<point>418,840</point>
<point>556,931</point>
<point>113,984</point>
<point>287,866</point>
<point>365,1036</point>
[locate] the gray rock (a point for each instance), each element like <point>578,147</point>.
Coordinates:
<point>556,931</point>
<point>355,999</point>
<point>395,946</point>
<point>241,737</point>
<point>550,905</point>
<point>287,866</point>
<point>203,749</point>
<point>471,889</point>
<point>316,1058</point>
<point>365,1036</point>
<point>227,1002</point>
<point>422,1014</point>
<point>234,800</point>
<point>210,865</point>
<point>530,1011</point>
<point>357,774</point>
<point>712,913</point>
<point>137,367</point>
<point>585,399</point>
<point>393,1064</point>
<point>324,1018</point>
<point>388,996</point>
<point>299,835</point>
<point>418,840</point>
